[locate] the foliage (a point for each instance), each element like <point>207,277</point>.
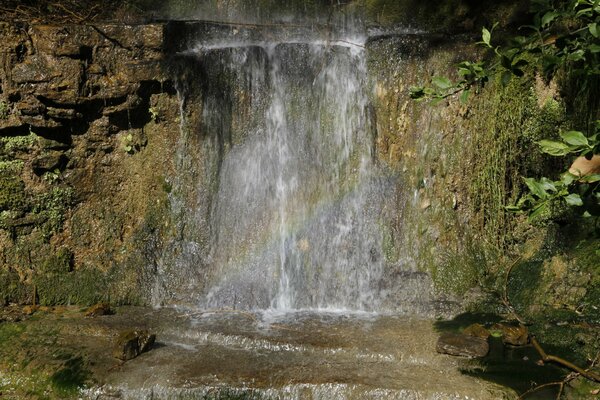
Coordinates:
<point>4,111</point>
<point>562,36</point>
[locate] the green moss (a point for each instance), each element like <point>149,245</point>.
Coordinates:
<point>53,206</point>
<point>68,380</point>
<point>60,262</point>
<point>12,289</point>
<point>4,110</point>
<point>12,193</point>
<point>86,286</point>
<point>11,144</point>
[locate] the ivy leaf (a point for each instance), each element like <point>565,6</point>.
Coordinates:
<point>574,138</point>
<point>442,82</point>
<point>574,200</point>
<point>554,148</point>
<point>549,17</point>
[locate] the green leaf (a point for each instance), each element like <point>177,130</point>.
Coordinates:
<point>574,200</point>
<point>506,77</point>
<point>538,210</point>
<point>554,148</point>
<point>417,92</point>
<point>574,138</point>
<point>594,48</point>
<point>547,185</point>
<point>486,36</point>
<point>549,17</point>
<point>591,178</point>
<point>593,27</point>
<point>567,178</point>
<point>537,188</point>
<point>442,82</point>
<point>512,208</point>
<point>464,96</point>
<point>577,55</point>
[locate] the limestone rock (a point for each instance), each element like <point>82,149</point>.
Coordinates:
<point>98,310</point>
<point>131,344</point>
<point>477,330</point>
<point>48,162</point>
<point>462,345</point>
<point>513,335</point>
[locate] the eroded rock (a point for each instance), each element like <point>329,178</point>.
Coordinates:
<point>477,330</point>
<point>99,310</point>
<point>131,344</point>
<point>512,335</point>
<point>457,344</point>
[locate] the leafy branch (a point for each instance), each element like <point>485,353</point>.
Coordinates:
<point>562,35</point>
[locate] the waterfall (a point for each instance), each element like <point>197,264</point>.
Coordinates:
<point>286,206</point>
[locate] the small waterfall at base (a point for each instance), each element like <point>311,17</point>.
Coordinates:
<point>287,191</point>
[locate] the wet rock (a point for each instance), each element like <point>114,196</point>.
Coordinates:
<point>49,144</point>
<point>477,330</point>
<point>512,335</point>
<point>462,345</point>
<point>62,113</point>
<point>131,344</point>
<point>49,162</point>
<point>29,310</point>
<point>98,310</point>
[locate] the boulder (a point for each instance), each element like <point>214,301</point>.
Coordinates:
<point>98,310</point>
<point>131,344</point>
<point>477,330</point>
<point>513,335</point>
<point>457,344</point>
<point>49,161</point>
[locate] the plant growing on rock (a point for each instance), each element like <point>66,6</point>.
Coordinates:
<point>4,111</point>
<point>563,37</point>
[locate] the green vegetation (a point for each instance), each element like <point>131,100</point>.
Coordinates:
<point>34,366</point>
<point>4,111</point>
<point>561,38</point>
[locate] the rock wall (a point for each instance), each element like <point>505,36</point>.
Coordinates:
<point>89,141</point>
<point>87,125</point>
<point>461,164</point>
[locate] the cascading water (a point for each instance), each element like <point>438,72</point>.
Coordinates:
<point>287,189</point>
<point>298,203</point>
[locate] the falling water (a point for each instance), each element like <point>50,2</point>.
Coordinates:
<point>289,205</point>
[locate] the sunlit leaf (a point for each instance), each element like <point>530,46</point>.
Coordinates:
<point>442,82</point>
<point>554,148</point>
<point>486,36</point>
<point>567,178</point>
<point>591,178</point>
<point>573,200</point>
<point>574,138</point>
<point>549,17</point>
<point>536,188</point>
<point>593,28</point>
<point>538,210</point>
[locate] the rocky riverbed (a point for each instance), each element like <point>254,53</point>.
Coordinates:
<point>54,353</point>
